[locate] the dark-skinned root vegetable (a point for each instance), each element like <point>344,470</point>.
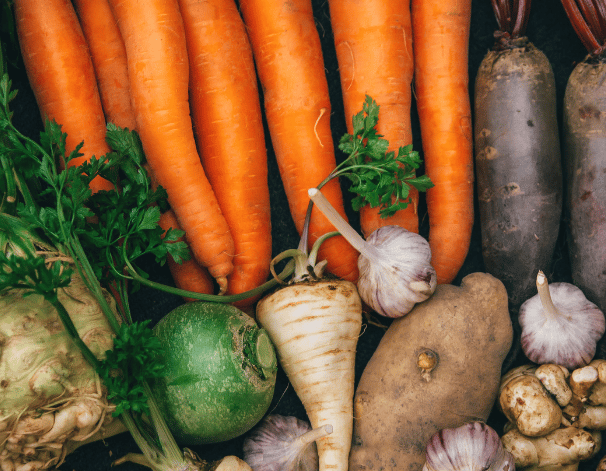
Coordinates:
<point>437,367</point>
<point>474,445</point>
<point>51,399</point>
<point>517,155</point>
<point>315,327</point>
<point>395,270</point>
<point>584,152</point>
<point>220,372</point>
<point>560,325</point>
<point>283,443</point>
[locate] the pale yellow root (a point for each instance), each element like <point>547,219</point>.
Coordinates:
<point>315,329</point>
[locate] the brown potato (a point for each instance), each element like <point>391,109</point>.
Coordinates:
<point>438,367</point>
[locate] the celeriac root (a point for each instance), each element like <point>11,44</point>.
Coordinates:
<point>51,399</point>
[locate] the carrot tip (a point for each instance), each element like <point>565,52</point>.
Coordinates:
<point>222,282</point>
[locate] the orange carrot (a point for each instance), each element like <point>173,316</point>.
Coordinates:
<point>158,71</point>
<point>441,37</point>
<point>188,275</point>
<point>228,125</point>
<point>61,75</point>
<point>109,58</point>
<point>373,41</point>
<point>290,65</point>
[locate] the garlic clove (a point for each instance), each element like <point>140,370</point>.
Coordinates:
<point>399,274</point>
<point>282,443</point>
<point>560,325</point>
<point>472,446</point>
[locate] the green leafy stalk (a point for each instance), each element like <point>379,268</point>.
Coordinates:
<point>48,213</point>
<point>378,177</point>
<point>52,227</point>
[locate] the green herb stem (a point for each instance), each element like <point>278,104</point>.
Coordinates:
<point>222,298</point>
<point>71,330</point>
<point>90,280</point>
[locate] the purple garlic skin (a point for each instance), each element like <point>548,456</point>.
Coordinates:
<point>568,338</point>
<point>474,445</point>
<point>401,277</point>
<point>273,446</point>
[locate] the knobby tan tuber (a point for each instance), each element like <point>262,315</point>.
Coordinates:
<point>561,449</point>
<point>438,367</point>
<point>555,416</point>
<point>51,399</point>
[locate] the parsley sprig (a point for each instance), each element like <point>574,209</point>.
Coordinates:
<point>379,177</point>
<point>53,228</point>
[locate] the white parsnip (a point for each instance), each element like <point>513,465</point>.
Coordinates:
<point>315,327</point>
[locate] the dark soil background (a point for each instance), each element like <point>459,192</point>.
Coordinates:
<point>548,28</point>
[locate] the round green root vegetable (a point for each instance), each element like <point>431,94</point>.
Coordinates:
<point>51,399</point>
<point>438,367</point>
<point>220,372</point>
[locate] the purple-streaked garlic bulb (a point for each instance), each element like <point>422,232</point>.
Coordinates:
<point>398,274</point>
<point>560,325</point>
<point>472,446</point>
<point>395,264</point>
<point>283,443</point>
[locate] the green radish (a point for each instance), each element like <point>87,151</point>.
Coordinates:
<point>220,372</point>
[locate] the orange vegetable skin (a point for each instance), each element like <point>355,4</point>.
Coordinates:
<point>109,59</point>
<point>441,37</point>
<point>61,75</point>
<point>228,124</point>
<point>374,46</point>
<point>290,65</point>
<point>158,71</point>
<point>188,275</point>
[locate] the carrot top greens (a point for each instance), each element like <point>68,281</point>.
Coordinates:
<point>52,227</point>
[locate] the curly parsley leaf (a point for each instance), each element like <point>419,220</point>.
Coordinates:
<point>136,357</point>
<point>378,177</point>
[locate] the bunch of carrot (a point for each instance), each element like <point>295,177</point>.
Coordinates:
<point>183,74</point>
<point>383,49</point>
<point>150,67</point>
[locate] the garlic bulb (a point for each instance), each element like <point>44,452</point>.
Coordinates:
<point>397,275</point>
<point>395,264</point>
<point>282,443</point>
<point>471,447</point>
<point>560,325</point>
